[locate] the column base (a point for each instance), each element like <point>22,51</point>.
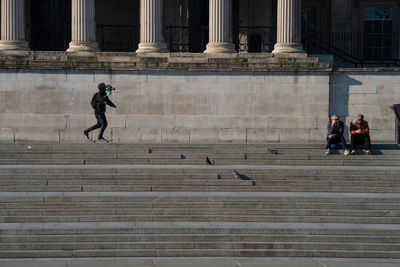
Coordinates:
<point>282,48</point>
<point>220,48</point>
<point>152,48</point>
<point>78,46</point>
<point>14,45</point>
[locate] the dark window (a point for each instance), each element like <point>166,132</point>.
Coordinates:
<point>378,33</point>
<point>51,24</point>
<point>309,20</point>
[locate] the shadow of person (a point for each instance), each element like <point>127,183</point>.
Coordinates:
<point>339,91</point>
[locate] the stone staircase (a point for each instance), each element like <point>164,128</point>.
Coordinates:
<point>164,200</point>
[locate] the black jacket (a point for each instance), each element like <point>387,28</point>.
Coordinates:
<point>99,101</point>
<point>337,128</point>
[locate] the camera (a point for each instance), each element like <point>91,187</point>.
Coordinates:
<point>109,88</point>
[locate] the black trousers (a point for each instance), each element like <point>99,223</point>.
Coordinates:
<point>101,123</point>
<point>335,141</point>
<point>360,141</point>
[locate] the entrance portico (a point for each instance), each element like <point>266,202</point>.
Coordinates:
<point>83,27</point>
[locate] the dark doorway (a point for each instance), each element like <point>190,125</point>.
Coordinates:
<point>198,25</point>
<point>118,25</point>
<point>254,43</point>
<point>50,24</point>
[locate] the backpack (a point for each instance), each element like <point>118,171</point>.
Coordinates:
<point>93,102</point>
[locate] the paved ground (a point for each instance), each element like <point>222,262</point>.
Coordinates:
<point>199,262</point>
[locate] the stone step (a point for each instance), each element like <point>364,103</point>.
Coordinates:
<point>204,182</point>
<point>185,182</point>
<point>197,253</point>
<point>68,211</point>
<point>200,162</point>
<point>154,200</point>
<point>194,244</point>
<point>387,208</point>
<point>156,188</point>
<point>39,178</point>
<point>195,156</point>
<point>234,197</point>
<point>170,146</point>
<point>36,240</point>
<point>201,218</point>
<point>384,160</point>
<point>195,169</point>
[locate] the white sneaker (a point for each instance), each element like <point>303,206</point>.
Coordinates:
<point>346,152</point>
<point>353,152</point>
<point>328,151</point>
<point>368,152</point>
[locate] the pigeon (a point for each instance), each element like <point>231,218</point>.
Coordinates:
<point>272,151</point>
<point>208,161</point>
<point>240,176</point>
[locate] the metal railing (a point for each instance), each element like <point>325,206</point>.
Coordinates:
<point>50,37</point>
<point>254,39</point>
<point>359,49</point>
<point>186,38</point>
<point>119,38</point>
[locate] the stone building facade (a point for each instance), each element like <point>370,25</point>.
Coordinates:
<point>196,71</point>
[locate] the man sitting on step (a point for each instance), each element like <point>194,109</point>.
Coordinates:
<point>359,131</point>
<point>335,135</point>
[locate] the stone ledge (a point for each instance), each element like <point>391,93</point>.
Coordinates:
<point>192,62</point>
<point>370,70</point>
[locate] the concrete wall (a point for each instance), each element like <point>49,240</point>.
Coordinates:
<point>166,106</point>
<point>369,93</point>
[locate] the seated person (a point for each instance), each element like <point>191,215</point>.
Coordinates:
<point>335,135</point>
<point>359,131</point>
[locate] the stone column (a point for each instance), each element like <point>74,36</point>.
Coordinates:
<point>83,31</point>
<point>13,25</point>
<point>289,27</point>
<point>220,37</point>
<point>151,37</point>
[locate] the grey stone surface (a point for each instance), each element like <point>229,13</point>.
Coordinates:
<point>231,105</point>
<point>324,211</point>
<point>200,262</point>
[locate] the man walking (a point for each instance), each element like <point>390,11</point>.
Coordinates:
<point>99,102</point>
